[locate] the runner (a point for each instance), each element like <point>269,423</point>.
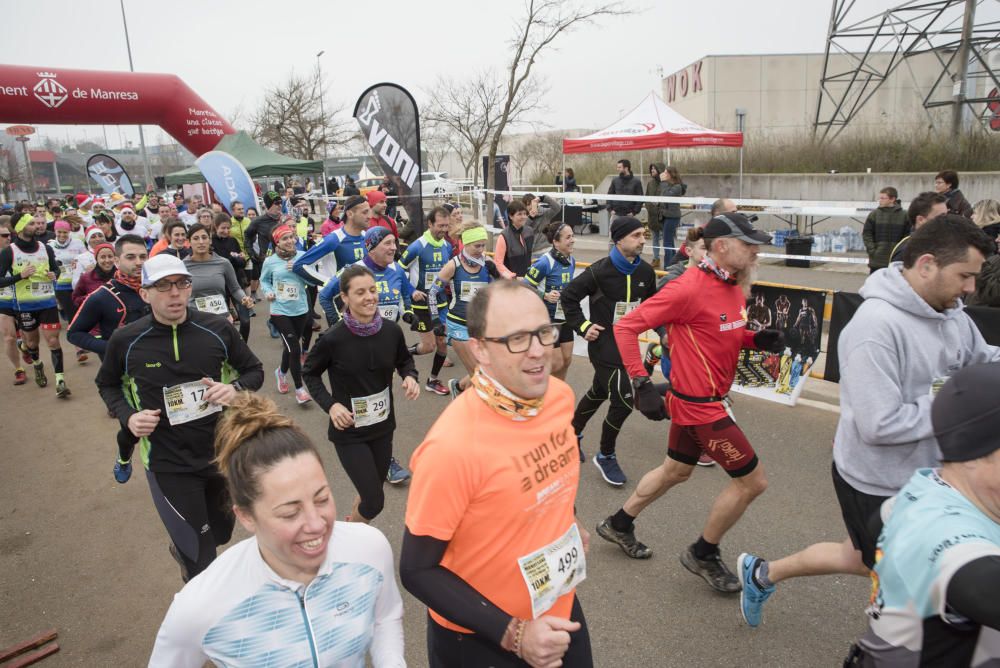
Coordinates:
<point>167,376</point>
<point>465,275</point>
<point>224,245</point>
<point>257,237</point>
<point>113,304</point>
<point>8,310</point>
<point>512,251</point>
<point>455,223</point>
<point>213,279</point>
<point>324,593</point>
<point>34,266</point>
<point>905,340</point>
<point>491,512</point>
<point>289,309</point>
<point>423,259</point>
<point>175,234</point>
<point>552,272</point>
<point>239,224</point>
<point>66,250</point>
<point>347,245</point>
<point>86,260</point>
<point>104,269</point>
<point>378,218</point>
<point>130,223</point>
<point>615,285</point>
<point>358,355</point>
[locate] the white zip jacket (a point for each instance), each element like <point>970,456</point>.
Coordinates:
<point>239,612</point>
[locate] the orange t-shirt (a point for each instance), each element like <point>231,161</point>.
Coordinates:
<point>497,490</point>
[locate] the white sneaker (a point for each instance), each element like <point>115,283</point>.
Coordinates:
<point>302,395</point>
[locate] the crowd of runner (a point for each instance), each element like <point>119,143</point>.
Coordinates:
<point>162,293</point>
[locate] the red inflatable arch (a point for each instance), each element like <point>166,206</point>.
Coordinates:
<point>89,97</point>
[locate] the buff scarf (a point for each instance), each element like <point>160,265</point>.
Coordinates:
<point>363,328</point>
<point>708,265</point>
<point>134,283</point>
<point>501,400</point>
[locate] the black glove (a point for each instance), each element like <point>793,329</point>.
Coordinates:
<point>408,317</point>
<point>771,340</point>
<point>650,402</point>
<point>439,330</point>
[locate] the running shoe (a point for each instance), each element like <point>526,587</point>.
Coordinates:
<point>282,381</point>
<point>180,562</point>
<point>610,471</point>
<point>397,474</point>
<point>454,388</point>
<point>753,595</point>
<point>81,355</point>
<point>20,378</point>
<point>712,569</point>
<point>61,390</point>
<point>123,471</point>
<point>436,386</point>
<point>705,460</point>
<point>623,539</point>
<point>40,378</point>
<point>579,446</point>
<point>302,395</point>
<point>24,352</point>
<point>273,330</point>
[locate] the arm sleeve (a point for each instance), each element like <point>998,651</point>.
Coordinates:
<point>422,574</point>
<point>387,649</point>
<point>410,254</point>
<point>177,642</point>
<point>406,288</point>
<point>109,379</point>
<point>304,264</point>
<point>872,389</point>
<point>650,314</point>
<point>87,317</point>
<point>326,295</point>
<point>968,596</point>
<point>249,234</point>
<point>7,264</point>
<point>982,352</point>
<point>242,359</point>
<point>499,253</point>
<point>405,365</point>
<point>868,233</point>
<point>53,263</point>
<point>582,286</point>
<point>536,273</point>
<point>266,271</point>
<point>317,362</point>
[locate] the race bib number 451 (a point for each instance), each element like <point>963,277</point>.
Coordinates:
<point>554,571</point>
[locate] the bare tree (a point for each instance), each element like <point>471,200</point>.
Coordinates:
<point>544,22</point>
<point>434,145</point>
<point>295,119</point>
<point>544,153</point>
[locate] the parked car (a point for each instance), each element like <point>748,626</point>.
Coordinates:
<point>437,183</point>
<point>365,186</point>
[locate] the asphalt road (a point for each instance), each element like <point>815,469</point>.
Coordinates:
<point>87,556</point>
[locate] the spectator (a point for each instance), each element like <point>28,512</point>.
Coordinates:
<point>349,187</point>
<point>378,217</point>
<point>624,184</point>
<point>512,252</point>
<point>884,228</point>
<point>946,183</point>
<point>654,211</point>
<point>391,195</point>
<point>569,185</point>
<point>671,186</point>
<point>987,216</point>
<point>923,207</point>
<point>987,284</point>
<point>333,221</point>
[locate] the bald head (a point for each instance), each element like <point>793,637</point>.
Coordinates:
<point>723,205</point>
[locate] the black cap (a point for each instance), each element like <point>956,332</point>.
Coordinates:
<point>734,226</point>
<point>271,198</point>
<point>966,415</point>
<point>622,226</point>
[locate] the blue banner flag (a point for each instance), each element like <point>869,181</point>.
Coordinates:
<point>229,180</point>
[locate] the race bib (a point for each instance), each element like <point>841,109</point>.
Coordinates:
<point>622,309</point>
<point>554,571</point>
<point>389,311</point>
<point>429,277</point>
<point>211,304</point>
<point>186,402</point>
<point>39,289</point>
<point>287,291</point>
<point>371,409</point>
<point>469,290</point>
<point>560,314</point>
<point>7,292</point>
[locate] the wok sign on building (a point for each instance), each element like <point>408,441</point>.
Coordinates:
<point>687,81</point>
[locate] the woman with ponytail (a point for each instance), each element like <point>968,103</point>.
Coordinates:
<point>304,589</point>
<point>551,273</point>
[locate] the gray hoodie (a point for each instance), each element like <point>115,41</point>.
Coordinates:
<point>891,352</point>
<point>214,276</point>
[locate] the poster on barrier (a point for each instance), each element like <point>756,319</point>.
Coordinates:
<point>780,376</point>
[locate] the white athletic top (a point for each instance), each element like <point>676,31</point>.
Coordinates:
<point>239,612</point>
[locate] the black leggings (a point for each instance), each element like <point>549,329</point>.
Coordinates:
<point>64,298</point>
<point>450,649</point>
<point>292,329</point>
<point>195,509</point>
<point>366,461</point>
<point>244,314</point>
<point>610,384</point>
<point>126,444</point>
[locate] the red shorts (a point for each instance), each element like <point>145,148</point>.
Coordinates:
<point>721,440</point>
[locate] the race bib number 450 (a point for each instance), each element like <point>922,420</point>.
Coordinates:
<point>211,304</point>
<point>554,571</point>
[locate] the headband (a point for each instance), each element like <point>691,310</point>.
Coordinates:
<point>22,222</point>
<point>474,234</point>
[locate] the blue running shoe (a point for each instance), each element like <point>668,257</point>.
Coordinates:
<point>397,474</point>
<point>274,330</point>
<point>610,471</point>
<point>123,471</point>
<point>753,596</point>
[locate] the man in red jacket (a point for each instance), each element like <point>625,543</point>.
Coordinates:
<point>377,202</point>
<point>705,314</point>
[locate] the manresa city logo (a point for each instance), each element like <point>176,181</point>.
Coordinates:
<point>50,92</point>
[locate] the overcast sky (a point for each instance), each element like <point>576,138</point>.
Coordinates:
<point>228,50</point>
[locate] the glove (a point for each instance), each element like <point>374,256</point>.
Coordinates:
<point>650,402</point>
<point>408,318</point>
<point>771,340</point>
<point>439,330</point>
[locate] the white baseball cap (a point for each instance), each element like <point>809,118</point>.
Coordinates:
<point>161,266</point>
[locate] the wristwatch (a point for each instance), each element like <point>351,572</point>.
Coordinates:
<point>639,381</point>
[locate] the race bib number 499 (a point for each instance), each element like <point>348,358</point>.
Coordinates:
<point>554,571</point>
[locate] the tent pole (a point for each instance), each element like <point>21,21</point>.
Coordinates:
<point>668,156</point>
<point>741,171</point>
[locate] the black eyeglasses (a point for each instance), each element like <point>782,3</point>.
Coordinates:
<point>164,285</point>
<point>519,342</point>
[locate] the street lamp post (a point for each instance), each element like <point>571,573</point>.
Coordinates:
<point>322,114</point>
<point>142,139</point>
<point>28,169</point>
